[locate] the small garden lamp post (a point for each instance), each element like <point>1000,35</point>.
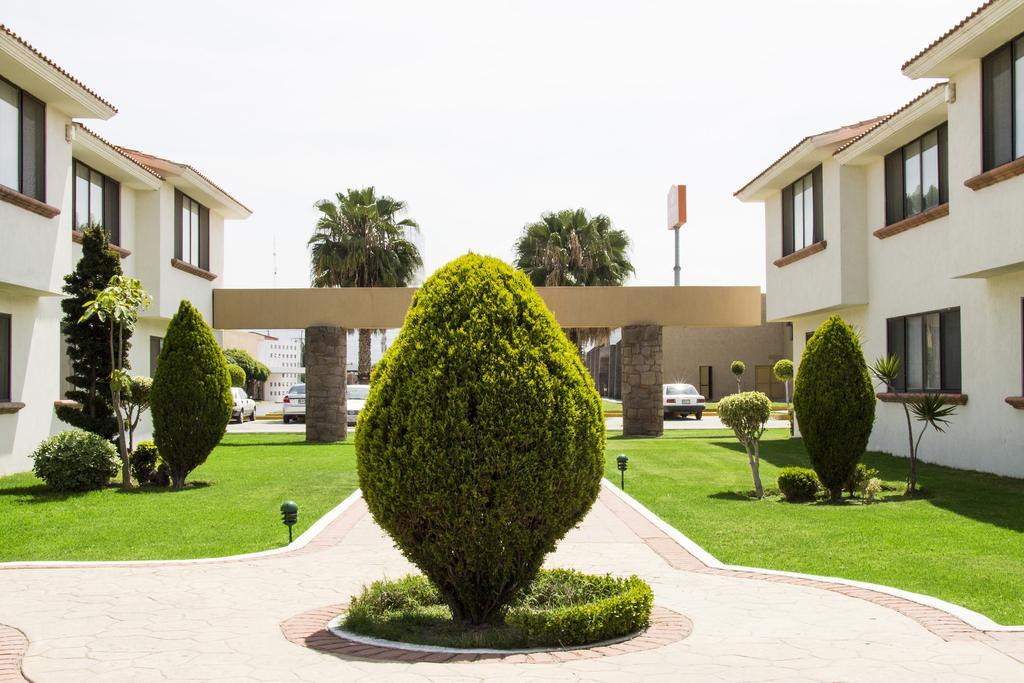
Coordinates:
<point>623,463</point>
<point>289,515</point>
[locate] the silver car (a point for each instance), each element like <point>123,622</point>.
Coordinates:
<point>293,406</point>
<point>243,405</point>
<point>356,398</point>
<point>683,400</point>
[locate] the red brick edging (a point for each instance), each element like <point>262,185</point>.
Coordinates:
<point>309,629</point>
<point>13,644</point>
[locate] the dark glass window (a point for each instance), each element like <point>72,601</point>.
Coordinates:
<point>97,201</point>
<point>928,346</point>
<point>5,357</point>
<point>1002,108</point>
<point>801,213</point>
<point>916,176</point>
<point>22,141</point>
<point>155,345</point>
<point>192,231</point>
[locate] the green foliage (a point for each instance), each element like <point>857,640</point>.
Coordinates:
<point>255,371</point>
<point>570,248</point>
<point>147,467</point>
<point>191,394</point>
<point>737,367</point>
<point>75,460</point>
<point>861,475</point>
<point>783,370</point>
<point>87,345</point>
<point>473,492</point>
<point>136,403</point>
<point>834,403</point>
<point>746,414</point>
<point>798,484</point>
<point>237,375</point>
<point>560,608</point>
<point>608,608</point>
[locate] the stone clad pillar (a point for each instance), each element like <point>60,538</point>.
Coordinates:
<point>642,408</point>
<point>325,384</point>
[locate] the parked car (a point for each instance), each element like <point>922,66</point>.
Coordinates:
<point>356,398</point>
<point>294,404</point>
<point>243,405</point>
<point>683,400</point>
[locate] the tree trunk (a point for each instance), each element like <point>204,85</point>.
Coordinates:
<point>365,339</point>
<point>754,458</point>
<point>115,394</point>
<point>912,479</point>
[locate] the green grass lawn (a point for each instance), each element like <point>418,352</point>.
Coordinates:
<point>611,406</point>
<point>962,541</point>
<point>235,510</point>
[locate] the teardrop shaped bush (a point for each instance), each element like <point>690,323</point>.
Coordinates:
<point>482,441</point>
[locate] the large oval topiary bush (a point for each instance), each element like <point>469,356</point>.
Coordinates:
<point>482,440</point>
<point>191,396</point>
<point>76,460</point>
<point>834,403</point>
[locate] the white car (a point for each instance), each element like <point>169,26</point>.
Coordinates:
<point>243,405</point>
<point>293,406</point>
<point>356,398</point>
<point>682,399</point>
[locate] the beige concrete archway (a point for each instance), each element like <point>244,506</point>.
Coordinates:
<point>641,312</point>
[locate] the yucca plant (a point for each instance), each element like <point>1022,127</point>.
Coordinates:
<point>930,409</point>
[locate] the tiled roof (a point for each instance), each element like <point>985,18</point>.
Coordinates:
<point>119,150</point>
<point>142,156</point>
<point>885,119</point>
<point>948,33</point>
<point>55,66</point>
<point>854,129</point>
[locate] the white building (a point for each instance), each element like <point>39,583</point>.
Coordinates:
<point>911,227</point>
<point>284,359</point>
<point>165,220</point>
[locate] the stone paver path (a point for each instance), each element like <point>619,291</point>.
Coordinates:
<point>223,621</point>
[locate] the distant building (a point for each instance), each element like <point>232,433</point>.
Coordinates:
<point>701,356</point>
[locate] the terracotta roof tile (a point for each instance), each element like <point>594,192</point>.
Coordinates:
<point>885,119</point>
<point>947,34</point>
<point>119,150</point>
<point>854,128</point>
<point>58,68</point>
<point>141,156</point>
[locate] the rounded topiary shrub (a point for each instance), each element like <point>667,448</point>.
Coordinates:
<point>191,398</point>
<point>482,439</point>
<point>237,375</point>
<point>798,484</point>
<point>834,403</point>
<point>147,467</point>
<point>76,460</point>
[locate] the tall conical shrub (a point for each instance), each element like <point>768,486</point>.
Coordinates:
<point>482,440</point>
<point>834,403</point>
<point>87,341</point>
<point>191,396</point>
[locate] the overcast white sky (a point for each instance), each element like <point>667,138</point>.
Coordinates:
<point>482,115</point>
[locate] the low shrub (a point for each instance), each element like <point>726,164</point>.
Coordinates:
<point>798,484</point>
<point>860,477</point>
<point>147,467</point>
<point>872,487</point>
<point>76,460</point>
<point>560,608</point>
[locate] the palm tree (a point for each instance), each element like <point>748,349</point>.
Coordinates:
<point>360,242</point>
<point>571,249</point>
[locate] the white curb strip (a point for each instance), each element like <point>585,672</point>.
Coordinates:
<point>975,619</point>
<point>302,541</point>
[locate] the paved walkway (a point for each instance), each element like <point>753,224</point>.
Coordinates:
<point>223,621</point>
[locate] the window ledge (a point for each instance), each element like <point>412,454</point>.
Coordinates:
<point>914,221</point>
<point>189,268</point>
<point>904,397</point>
<point>64,403</point>
<point>1016,401</point>
<point>801,254</point>
<point>76,237</point>
<point>29,203</point>
<point>7,407</point>
<point>996,175</point>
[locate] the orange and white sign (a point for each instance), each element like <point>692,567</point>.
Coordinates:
<point>676,207</point>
